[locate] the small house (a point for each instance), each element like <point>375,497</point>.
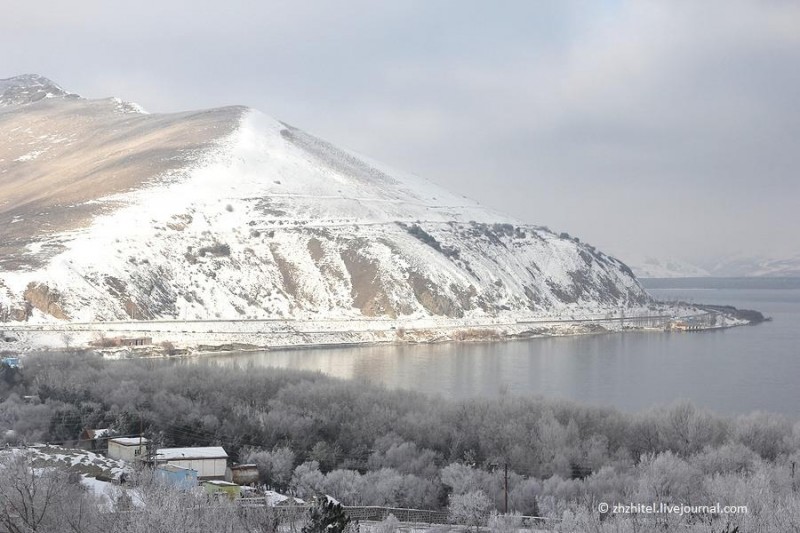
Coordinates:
<point>209,461</point>
<point>686,325</point>
<point>117,342</point>
<point>94,439</point>
<point>176,476</point>
<point>127,448</point>
<point>242,474</point>
<point>214,487</point>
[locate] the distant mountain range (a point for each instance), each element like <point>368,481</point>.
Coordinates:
<point>110,213</point>
<point>731,266</point>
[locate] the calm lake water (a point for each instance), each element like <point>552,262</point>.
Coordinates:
<point>729,371</point>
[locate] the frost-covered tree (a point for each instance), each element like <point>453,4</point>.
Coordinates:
<point>668,478</point>
<point>307,480</point>
<point>404,457</point>
<point>463,478</point>
<point>767,434</point>
<point>275,467</point>
<point>470,509</point>
<point>346,485</point>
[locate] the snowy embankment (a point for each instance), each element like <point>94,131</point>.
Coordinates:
<point>216,335</point>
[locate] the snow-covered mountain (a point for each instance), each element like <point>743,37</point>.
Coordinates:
<point>734,266</point>
<point>748,266</point>
<point>651,267</point>
<point>108,213</point>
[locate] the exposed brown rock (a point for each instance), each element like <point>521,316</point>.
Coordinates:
<point>430,298</point>
<point>315,249</point>
<point>48,301</point>
<point>368,293</point>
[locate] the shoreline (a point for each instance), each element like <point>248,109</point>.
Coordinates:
<point>179,339</point>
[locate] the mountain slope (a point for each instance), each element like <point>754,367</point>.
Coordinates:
<point>110,214</point>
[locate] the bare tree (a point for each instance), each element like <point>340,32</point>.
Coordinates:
<point>42,499</point>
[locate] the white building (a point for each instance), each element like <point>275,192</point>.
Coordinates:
<point>209,462</point>
<point>127,448</point>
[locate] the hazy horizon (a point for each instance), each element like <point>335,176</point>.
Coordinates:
<point>647,129</point>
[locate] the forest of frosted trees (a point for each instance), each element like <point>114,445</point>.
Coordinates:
<point>364,445</point>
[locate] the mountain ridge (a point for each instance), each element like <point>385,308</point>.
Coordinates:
<point>230,214</point>
<point>734,266</point>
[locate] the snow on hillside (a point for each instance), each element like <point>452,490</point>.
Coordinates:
<point>275,223</point>
<point>73,460</point>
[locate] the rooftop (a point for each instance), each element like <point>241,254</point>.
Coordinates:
<point>175,468</point>
<point>207,452</point>
<point>276,498</point>
<point>98,433</point>
<point>221,483</point>
<point>129,441</point>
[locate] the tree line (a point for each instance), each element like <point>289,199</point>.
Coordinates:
<point>365,445</point>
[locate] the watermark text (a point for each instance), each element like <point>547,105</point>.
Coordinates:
<point>679,509</point>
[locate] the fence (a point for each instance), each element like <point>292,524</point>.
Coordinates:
<point>417,516</point>
<point>374,513</point>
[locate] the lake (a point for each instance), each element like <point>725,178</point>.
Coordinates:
<point>729,371</point>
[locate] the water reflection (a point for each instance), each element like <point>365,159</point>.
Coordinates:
<point>732,371</point>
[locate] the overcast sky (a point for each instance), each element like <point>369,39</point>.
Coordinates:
<point>668,128</point>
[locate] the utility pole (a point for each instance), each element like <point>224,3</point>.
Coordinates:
<point>139,449</point>
<point>505,472</point>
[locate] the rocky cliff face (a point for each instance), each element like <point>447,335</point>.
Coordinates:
<point>110,213</point>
